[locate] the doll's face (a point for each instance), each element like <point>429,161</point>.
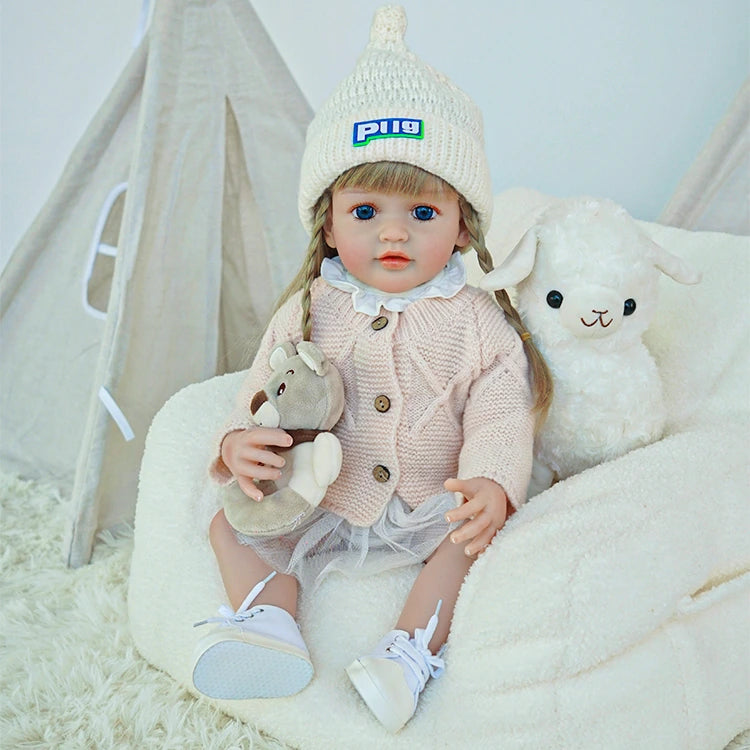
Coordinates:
<point>391,241</point>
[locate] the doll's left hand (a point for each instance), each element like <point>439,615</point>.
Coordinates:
<point>487,508</point>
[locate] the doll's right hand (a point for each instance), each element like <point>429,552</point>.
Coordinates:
<point>246,455</point>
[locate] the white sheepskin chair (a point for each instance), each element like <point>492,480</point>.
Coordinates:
<point>612,611</point>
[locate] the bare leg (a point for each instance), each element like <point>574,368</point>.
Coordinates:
<point>241,569</point>
<point>440,578</point>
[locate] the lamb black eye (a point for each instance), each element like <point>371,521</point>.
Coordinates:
<point>281,389</point>
<point>554,299</point>
<point>629,307</point>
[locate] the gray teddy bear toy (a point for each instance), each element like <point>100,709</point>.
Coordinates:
<point>304,397</point>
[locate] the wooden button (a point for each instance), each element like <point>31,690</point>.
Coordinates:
<point>381,474</point>
<point>382,403</point>
<point>379,323</point>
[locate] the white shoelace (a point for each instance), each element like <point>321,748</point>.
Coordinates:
<point>416,654</point>
<point>227,616</point>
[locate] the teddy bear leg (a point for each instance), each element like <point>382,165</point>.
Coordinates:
<point>246,515</point>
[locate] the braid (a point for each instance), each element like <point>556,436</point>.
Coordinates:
<point>541,378</point>
<point>310,270</point>
<point>305,300</point>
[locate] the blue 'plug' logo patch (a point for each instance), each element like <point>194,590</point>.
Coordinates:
<point>391,127</point>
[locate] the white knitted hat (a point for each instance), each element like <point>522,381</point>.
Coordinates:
<point>394,107</point>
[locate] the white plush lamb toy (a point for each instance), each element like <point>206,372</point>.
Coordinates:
<point>586,278</point>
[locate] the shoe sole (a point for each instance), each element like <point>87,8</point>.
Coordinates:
<point>236,670</point>
<point>368,690</point>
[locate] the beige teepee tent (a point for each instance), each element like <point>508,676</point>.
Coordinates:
<point>714,194</point>
<point>157,258</point>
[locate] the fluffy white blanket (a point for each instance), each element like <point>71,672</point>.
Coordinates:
<point>611,612</point>
<point>70,676</point>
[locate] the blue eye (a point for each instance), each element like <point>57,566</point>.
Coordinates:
<point>364,212</point>
<point>423,213</point>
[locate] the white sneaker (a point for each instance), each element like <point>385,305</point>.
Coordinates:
<point>253,653</point>
<point>391,679</point>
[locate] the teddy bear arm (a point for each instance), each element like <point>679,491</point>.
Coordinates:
<point>327,458</point>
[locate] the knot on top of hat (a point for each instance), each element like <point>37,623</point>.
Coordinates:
<point>388,27</point>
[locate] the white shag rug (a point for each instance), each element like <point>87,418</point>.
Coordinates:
<point>69,673</point>
<point>70,676</point>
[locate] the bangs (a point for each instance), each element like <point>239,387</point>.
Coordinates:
<point>391,177</point>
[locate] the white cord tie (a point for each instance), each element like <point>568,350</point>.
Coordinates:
<point>416,653</point>
<point>228,616</point>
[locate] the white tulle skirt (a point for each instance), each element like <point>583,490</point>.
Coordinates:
<point>327,542</point>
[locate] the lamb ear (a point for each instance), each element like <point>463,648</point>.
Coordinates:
<point>313,357</point>
<point>281,354</point>
<point>673,266</point>
<point>516,267</point>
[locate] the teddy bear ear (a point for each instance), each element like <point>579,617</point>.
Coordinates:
<point>516,267</point>
<point>280,354</point>
<point>673,266</point>
<point>313,357</point>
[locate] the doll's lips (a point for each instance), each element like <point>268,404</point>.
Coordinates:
<point>394,261</point>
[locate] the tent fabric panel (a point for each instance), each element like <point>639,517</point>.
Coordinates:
<point>272,116</point>
<point>161,331</point>
<point>45,332</point>
<point>186,223</point>
<point>714,194</point>
<point>246,295</point>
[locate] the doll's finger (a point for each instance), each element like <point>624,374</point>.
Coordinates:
<point>261,436</point>
<point>262,457</point>
<point>470,529</point>
<point>467,487</point>
<point>460,486</point>
<point>250,489</point>
<point>467,510</point>
<point>480,543</point>
<point>457,514</point>
<point>258,471</point>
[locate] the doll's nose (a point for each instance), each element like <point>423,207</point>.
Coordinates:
<point>393,231</point>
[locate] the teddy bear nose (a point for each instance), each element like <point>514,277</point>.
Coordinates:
<point>258,400</point>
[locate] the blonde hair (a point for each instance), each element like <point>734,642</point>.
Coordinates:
<point>398,177</point>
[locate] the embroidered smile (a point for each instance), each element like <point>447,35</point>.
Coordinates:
<point>599,319</point>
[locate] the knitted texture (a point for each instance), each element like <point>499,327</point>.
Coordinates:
<point>455,378</point>
<point>375,114</point>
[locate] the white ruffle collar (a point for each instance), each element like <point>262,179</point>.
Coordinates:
<point>368,300</point>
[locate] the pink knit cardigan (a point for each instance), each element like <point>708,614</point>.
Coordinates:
<point>457,397</point>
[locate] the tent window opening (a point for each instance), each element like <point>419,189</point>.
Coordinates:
<point>100,266</point>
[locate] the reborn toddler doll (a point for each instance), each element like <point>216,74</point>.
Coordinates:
<point>439,415</point>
